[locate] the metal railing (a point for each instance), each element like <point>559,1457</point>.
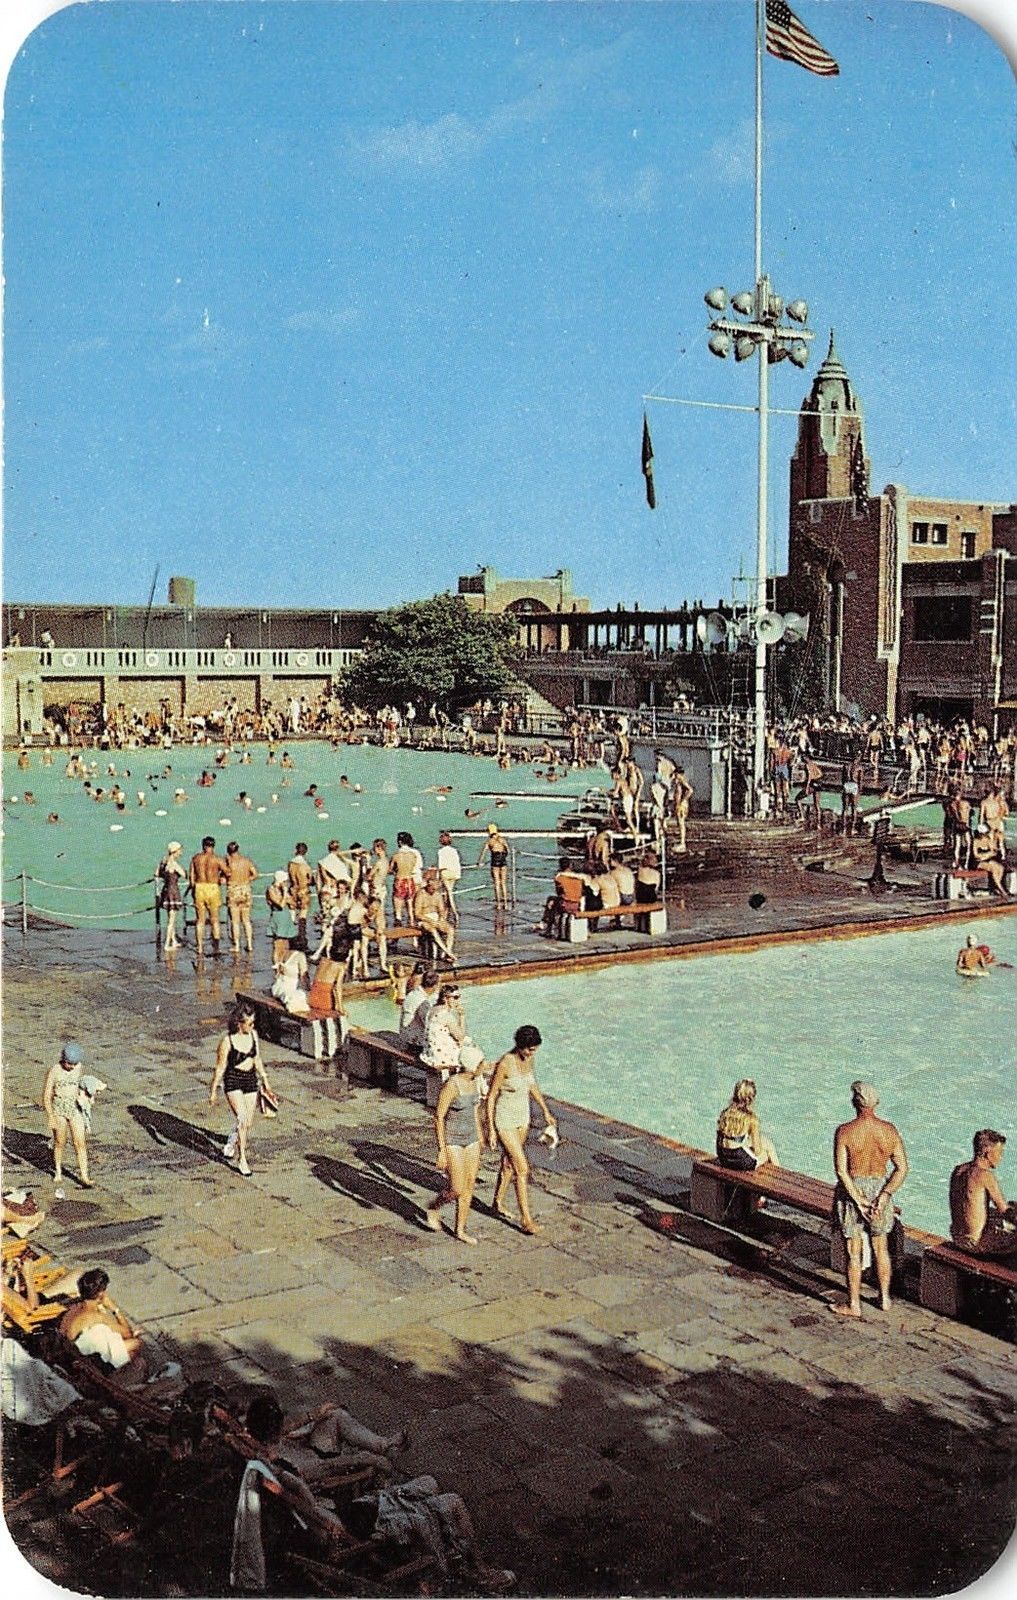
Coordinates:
<point>84,660</point>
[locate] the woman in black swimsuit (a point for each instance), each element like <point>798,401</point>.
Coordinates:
<point>497,846</point>
<point>239,1068</point>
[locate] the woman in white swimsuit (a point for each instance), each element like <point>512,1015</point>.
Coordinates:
<point>508,1120</point>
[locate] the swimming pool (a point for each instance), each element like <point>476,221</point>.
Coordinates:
<point>660,1045</point>
<point>94,845</point>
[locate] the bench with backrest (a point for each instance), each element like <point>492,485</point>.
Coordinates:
<point>947,1274</point>
<point>319,1034</point>
<point>573,921</point>
<point>723,1194</point>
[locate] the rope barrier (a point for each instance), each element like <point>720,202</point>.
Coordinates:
<point>91,916</point>
<point>87,916</point>
<point>80,888</point>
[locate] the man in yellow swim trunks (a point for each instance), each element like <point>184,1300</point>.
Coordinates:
<point>206,874</point>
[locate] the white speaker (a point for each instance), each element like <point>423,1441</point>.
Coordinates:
<point>796,626</point>
<point>716,628</point>
<point>770,627</point>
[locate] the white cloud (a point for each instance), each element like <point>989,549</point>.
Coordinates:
<point>425,145</point>
<point>732,158</point>
<point>86,347</point>
<point>325,320</point>
<point>451,138</point>
<point>628,197</point>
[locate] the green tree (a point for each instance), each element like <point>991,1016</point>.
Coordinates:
<point>432,650</point>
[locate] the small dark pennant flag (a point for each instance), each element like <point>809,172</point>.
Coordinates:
<point>651,495</point>
<point>791,40</point>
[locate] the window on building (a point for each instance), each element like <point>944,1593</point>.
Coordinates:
<point>919,533</point>
<point>942,617</point>
<point>938,533</point>
<point>968,538</point>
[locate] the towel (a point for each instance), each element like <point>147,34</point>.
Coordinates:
<point>33,1393</point>
<point>247,1558</point>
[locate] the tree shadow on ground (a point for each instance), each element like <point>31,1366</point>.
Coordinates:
<point>595,1467</point>
<point>381,1193</point>
<point>164,1128</point>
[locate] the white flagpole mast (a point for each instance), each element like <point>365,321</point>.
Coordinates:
<point>762,309</point>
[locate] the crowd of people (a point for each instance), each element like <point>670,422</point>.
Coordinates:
<point>349,890</point>
<point>916,755</point>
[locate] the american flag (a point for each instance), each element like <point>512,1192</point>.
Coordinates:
<point>791,40</point>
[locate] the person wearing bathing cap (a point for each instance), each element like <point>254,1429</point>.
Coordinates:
<point>863,1151</point>
<point>61,1096</point>
<point>458,1131</point>
<point>972,959</point>
<point>277,898</point>
<point>171,874</point>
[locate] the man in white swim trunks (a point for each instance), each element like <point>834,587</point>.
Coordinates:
<point>863,1149</point>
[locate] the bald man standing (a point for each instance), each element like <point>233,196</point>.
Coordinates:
<point>863,1150</point>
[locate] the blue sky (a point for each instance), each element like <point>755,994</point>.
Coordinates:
<point>328,303</point>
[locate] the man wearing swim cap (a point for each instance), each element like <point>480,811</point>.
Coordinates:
<point>863,1203</point>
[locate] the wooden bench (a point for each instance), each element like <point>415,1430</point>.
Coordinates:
<point>574,921</point>
<point>957,882</point>
<point>947,1273</point>
<point>377,1057</point>
<point>723,1194</point>
<point>318,1034</point>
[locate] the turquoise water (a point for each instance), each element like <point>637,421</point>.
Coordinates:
<point>95,845</point>
<point>661,1045</point>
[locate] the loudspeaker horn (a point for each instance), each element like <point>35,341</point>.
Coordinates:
<point>716,628</point>
<point>796,626</point>
<point>770,627</point>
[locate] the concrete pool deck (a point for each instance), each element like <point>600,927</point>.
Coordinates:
<point>635,1402</point>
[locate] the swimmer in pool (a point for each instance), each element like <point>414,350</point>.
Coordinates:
<point>971,960</point>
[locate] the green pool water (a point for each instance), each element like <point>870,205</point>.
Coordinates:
<point>661,1045</point>
<point>95,846</point>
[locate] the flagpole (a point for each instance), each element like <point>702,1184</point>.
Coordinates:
<point>762,309</point>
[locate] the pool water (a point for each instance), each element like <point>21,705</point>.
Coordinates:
<point>94,845</point>
<point>661,1045</point>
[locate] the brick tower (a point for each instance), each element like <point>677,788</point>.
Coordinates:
<point>829,462</point>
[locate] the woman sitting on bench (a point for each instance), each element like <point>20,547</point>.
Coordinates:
<point>741,1144</point>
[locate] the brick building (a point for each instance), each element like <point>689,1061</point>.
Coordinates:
<point>913,599</point>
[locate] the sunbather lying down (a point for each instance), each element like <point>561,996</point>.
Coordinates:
<point>314,1446</point>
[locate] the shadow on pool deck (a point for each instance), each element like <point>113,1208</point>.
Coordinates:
<point>594,1469</point>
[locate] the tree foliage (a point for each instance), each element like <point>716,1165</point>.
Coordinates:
<point>432,651</point>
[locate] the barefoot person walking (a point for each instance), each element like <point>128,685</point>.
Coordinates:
<point>863,1199</point>
<point>508,1120</point>
<point>171,894</point>
<point>61,1102</point>
<point>240,1071</point>
<point>460,1140</point>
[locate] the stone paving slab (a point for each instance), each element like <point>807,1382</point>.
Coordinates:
<point>601,1381</point>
